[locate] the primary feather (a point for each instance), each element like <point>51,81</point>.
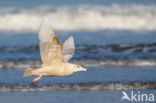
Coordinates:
<point>68,49</point>
<point>50,45</point>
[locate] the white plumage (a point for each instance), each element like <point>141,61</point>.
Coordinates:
<point>54,56</point>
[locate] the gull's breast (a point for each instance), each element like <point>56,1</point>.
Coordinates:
<point>55,70</point>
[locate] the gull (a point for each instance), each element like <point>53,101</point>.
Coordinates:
<point>54,55</point>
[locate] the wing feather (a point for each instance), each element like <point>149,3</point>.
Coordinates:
<point>50,45</point>
<point>68,49</point>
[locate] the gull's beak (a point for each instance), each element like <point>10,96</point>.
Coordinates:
<point>83,69</point>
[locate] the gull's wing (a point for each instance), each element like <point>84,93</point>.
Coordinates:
<point>50,45</point>
<point>68,49</point>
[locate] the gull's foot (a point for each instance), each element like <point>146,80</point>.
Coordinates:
<point>37,79</point>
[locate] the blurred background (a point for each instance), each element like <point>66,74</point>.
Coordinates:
<point>115,40</point>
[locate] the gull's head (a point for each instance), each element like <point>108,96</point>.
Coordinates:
<point>79,68</point>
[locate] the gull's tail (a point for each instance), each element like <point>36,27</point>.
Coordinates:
<point>28,72</point>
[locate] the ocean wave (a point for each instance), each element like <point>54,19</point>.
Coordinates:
<point>86,55</point>
<point>81,17</point>
<point>79,86</point>
<point>140,47</point>
<point>86,63</point>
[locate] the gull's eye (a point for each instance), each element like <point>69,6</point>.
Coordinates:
<point>78,66</point>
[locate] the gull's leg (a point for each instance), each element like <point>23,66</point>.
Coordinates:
<point>37,79</point>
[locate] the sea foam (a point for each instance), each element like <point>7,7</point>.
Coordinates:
<point>82,17</point>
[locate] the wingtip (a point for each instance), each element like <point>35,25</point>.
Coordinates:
<point>71,38</point>
<point>45,30</point>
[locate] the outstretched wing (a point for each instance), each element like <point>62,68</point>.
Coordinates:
<point>68,49</point>
<point>50,45</point>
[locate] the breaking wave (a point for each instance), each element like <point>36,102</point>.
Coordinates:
<point>79,86</point>
<point>140,47</point>
<point>81,17</point>
<point>86,63</point>
<point>86,55</point>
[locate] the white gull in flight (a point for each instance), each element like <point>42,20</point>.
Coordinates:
<point>55,56</point>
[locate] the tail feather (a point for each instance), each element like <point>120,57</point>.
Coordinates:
<point>28,72</point>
